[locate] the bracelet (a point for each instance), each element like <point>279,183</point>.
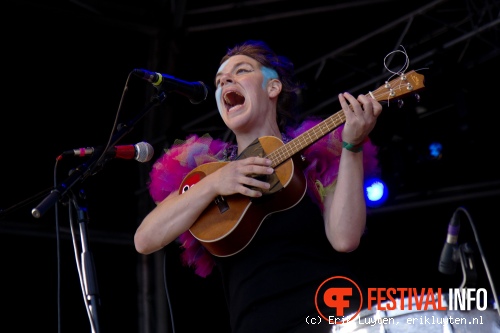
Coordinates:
<point>351,147</point>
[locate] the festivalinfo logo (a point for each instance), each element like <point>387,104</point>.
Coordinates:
<point>339,300</point>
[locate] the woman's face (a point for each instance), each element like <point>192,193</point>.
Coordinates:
<point>242,93</point>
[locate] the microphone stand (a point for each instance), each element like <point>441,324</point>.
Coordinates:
<point>85,263</point>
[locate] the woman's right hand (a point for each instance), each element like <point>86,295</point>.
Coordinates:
<point>239,177</point>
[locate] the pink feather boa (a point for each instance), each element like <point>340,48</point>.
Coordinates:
<point>171,168</point>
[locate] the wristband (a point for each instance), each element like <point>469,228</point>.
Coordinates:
<point>351,147</point>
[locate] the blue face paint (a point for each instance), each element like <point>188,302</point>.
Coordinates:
<point>218,91</point>
<point>268,74</point>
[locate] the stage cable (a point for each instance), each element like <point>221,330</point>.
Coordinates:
<point>169,303</point>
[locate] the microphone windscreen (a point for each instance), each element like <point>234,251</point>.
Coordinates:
<point>144,152</point>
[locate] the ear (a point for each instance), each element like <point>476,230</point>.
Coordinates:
<point>274,88</point>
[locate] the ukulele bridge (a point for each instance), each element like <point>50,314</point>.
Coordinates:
<point>221,204</point>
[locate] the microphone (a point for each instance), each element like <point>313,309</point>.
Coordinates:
<point>142,152</point>
<point>447,262</point>
<point>196,91</point>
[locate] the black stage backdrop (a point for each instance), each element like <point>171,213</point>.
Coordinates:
<point>65,68</point>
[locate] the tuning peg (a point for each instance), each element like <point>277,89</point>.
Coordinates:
<point>417,97</point>
<point>400,103</point>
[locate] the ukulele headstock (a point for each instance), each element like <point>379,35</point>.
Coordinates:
<point>404,84</point>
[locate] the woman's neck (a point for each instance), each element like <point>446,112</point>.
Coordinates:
<point>243,140</point>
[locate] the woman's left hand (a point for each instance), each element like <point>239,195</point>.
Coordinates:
<point>361,116</point>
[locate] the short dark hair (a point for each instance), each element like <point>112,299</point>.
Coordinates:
<point>262,53</point>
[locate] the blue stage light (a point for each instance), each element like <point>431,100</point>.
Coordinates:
<point>376,192</point>
<point>435,150</point>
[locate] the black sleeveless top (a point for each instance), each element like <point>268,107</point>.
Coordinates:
<point>270,285</point>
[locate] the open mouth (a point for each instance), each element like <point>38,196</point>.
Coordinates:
<point>232,99</point>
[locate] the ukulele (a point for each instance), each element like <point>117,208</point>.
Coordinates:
<point>229,223</point>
